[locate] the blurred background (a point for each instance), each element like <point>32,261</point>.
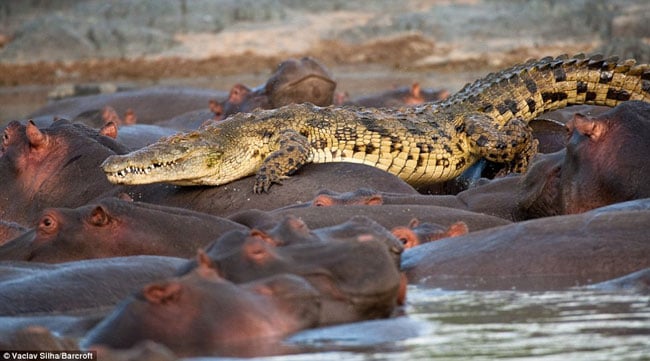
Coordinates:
<point>51,49</point>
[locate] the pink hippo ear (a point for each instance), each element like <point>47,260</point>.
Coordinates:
<point>238,93</point>
<point>34,135</point>
<point>376,200</point>
<point>125,197</point>
<point>109,129</point>
<point>457,229</point>
<point>415,90</point>
<point>206,267</point>
<point>162,293</point>
<point>99,217</point>
<point>406,236</point>
<point>322,200</point>
<point>414,223</point>
<point>129,117</point>
<point>258,250</point>
<point>586,126</point>
<point>264,237</point>
<point>216,108</point>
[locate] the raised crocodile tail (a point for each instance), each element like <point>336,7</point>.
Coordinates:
<point>537,86</point>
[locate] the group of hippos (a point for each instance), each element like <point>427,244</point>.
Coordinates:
<point>87,264</point>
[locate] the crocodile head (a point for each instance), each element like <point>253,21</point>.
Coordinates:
<point>183,159</point>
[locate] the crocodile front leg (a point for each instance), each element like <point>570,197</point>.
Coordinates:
<point>512,144</point>
<point>292,153</point>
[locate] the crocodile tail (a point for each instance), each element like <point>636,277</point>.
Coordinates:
<point>527,90</point>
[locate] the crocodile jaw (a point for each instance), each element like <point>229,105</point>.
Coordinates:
<point>151,165</point>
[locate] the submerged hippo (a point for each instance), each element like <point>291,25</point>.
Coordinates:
<point>401,96</point>
<point>354,265</point>
<point>202,314</point>
<point>150,104</point>
<point>77,287</point>
<point>112,227</point>
<point>546,253</point>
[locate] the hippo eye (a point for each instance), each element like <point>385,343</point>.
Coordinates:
<point>47,224</point>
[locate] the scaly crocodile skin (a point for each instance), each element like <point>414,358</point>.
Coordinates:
<point>432,143</point>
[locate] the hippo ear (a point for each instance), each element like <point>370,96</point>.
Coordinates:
<point>586,126</point>
<point>162,293</point>
<point>415,90</point>
<point>406,236</point>
<point>216,108</point>
<point>125,197</point>
<point>322,200</point>
<point>264,236</point>
<point>206,266</point>
<point>99,217</point>
<point>6,137</point>
<point>257,250</point>
<point>110,115</point>
<point>238,93</point>
<point>414,223</point>
<point>376,200</point>
<point>129,117</point>
<point>34,135</point>
<point>109,129</point>
<point>457,229</point>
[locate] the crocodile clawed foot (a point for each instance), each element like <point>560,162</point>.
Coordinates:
<point>263,183</point>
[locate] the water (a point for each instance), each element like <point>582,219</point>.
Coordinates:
<point>567,325</point>
<point>572,325</point>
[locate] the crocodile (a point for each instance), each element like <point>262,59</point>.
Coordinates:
<point>431,143</point>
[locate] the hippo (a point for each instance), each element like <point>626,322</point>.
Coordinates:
<point>300,81</point>
<point>136,136</point>
<point>202,313</point>
<point>35,338</point>
<point>109,115</point>
<point>53,167</point>
<point>331,263</point>
<point>387,215</point>
<point>605,158</point>
<point>513,197</point>
<point>74,151</point>
<point>235,197</point>
<point>401,96</point>
<point>191,120</point>
<point>66,325</point>
<point>294,81</point>
<point>10,230</point>
<point>150,104</point>
<point>114,227</point>
<point>243,99</point>
<point>540,254</point>
<point>417,233</point>
<point>638,282</point>
<point>79,286</point>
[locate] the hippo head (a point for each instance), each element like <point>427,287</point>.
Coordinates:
<point>201,313</point>
<point>606,158</point>
<point>42,167</point>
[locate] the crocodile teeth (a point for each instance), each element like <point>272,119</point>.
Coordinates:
<point>147,170</point>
